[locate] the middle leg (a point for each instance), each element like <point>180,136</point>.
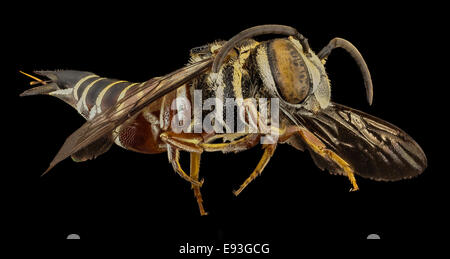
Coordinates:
<point>269,150</point>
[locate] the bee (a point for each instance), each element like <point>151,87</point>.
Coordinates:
<point>284,71</point>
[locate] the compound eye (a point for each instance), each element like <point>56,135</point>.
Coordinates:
<point>288,70</point>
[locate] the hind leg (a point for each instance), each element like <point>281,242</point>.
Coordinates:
<point>174,158</point>
<point>195,168</point>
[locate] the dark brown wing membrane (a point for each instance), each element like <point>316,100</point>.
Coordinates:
<point>93,150</point>
<point>129,106</point>
<point>374,148</point>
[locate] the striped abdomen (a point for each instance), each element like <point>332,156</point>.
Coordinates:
<point>91,95</point>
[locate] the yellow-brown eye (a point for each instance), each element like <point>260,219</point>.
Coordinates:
<point>288,70</point>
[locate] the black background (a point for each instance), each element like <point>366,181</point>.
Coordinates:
<point>125,196</point>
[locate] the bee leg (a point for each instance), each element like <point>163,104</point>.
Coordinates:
<point>318,147</point>
<point>174,158</point>
<point>185,142</point>
<point>269,150</point>
<point>195,168</point>
<point>243,143</point>
<point>351,177</point>
<point>189,143</point>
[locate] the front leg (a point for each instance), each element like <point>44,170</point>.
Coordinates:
<point>319,148</point>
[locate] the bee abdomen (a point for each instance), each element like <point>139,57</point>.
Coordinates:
<point>87,92</point>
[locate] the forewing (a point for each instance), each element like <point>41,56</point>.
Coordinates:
<point>374,148</point>
<point>93,150</point>
<point>129,106</point>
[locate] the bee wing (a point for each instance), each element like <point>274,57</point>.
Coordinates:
<point>129,106</point>
<point>374,148</point>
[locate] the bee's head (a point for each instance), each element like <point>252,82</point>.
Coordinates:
<point>296,77</point>
<point>288,68</point>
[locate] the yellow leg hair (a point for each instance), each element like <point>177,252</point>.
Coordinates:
<point>195,169</point>
<point>174,159</point>
<point>320,149</point>
<point>182,142</point>
<point>269,150</point>
<point>351,176</point>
